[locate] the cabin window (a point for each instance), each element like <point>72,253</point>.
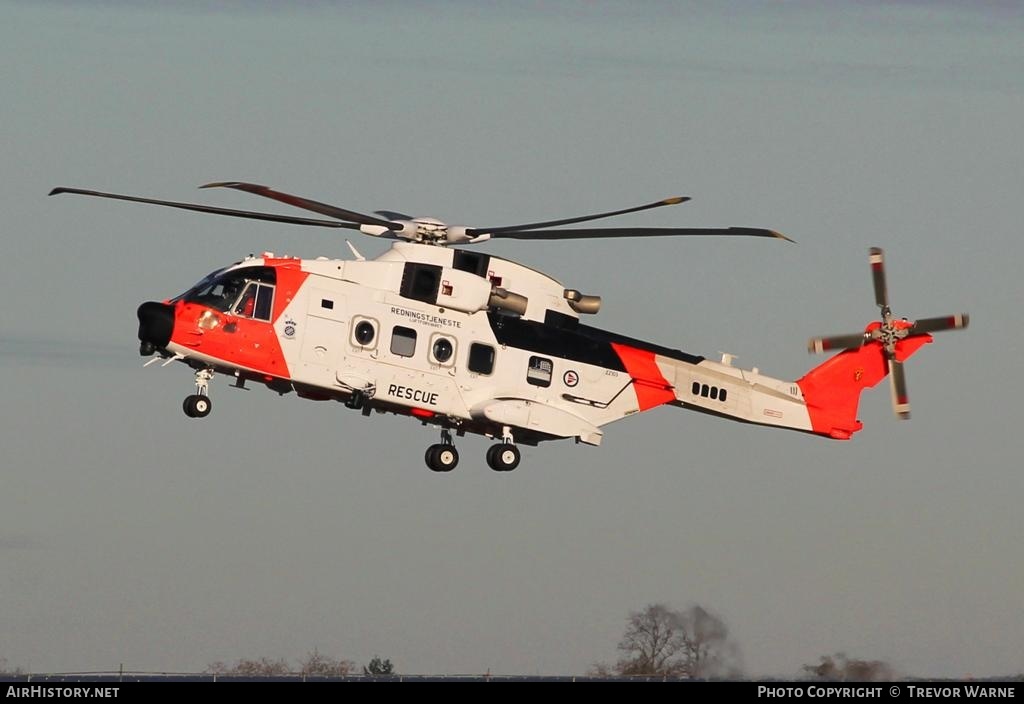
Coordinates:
<point>539,372</point>
<point>403,341</point>
<point>712,392</point>
<point>442,349</point>
<point>481,358</point>
<point>364,333</point>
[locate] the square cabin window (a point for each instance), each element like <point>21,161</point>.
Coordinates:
<point>539,372</point>
<point>481,358</point>
<point>403,341</point>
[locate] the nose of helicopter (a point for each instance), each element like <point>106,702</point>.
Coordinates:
<point>156,321</point>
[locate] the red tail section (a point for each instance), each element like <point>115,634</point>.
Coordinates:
<point>832,390</point>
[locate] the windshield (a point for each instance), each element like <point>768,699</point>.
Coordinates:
<point>222,288</point>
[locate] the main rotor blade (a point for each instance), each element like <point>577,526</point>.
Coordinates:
<point>947,322</point>
<point>898,385</point>
<point>392,215</point>
<point>632,232</point>
<point>306,204</point>
<point>877,259</point>
<point>210,209</point>
<point>837,342</point>
<point>476,231</point>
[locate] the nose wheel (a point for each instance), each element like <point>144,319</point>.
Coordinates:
<point>199,405</point>
<point>196,406</point>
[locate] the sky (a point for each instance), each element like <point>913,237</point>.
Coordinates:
<point>132,535</point>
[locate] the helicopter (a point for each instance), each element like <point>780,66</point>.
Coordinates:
<point>474,343</point>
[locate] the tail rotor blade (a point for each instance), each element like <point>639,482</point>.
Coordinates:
<point>877,259</point>
<point>898,384</point>
<point>946,322</point>
<point>836,342</point>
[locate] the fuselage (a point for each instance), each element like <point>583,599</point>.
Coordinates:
<point>463,340</point>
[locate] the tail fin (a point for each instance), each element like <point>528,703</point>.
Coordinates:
<point>832,389</point>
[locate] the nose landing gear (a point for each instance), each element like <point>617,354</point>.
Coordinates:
<point>199,405</point>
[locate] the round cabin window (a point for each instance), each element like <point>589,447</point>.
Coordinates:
<point>365,332</point>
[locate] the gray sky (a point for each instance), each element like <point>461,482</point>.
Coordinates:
<point>132,534</point>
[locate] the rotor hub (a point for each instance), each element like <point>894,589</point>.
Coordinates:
<point>430,231</point>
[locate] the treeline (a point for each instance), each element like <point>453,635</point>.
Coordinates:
<point>315,664</point>
<point>658,641</point>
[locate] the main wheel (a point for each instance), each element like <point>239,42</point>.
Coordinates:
<point>196,406</point>
<point>442,458</point>
<point>503,458</point>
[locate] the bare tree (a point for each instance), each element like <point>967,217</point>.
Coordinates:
<point>651,642</point>
<point>317,664</point>
<point>839,668</point>
<point>691,643</point>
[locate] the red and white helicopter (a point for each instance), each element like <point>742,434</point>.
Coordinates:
<point>473,343</point>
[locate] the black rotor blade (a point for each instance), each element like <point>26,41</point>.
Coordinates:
<point>392,215</point>
<point>476,231</point>
<point>898,385</point>
<point>306,204</point>
<point>210,209</point>
<point>585,233</point>
<point>946,322</point>
<point>877,259</point>
<point>837,342</point>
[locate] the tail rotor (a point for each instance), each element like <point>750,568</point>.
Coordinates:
<point>887,334</point>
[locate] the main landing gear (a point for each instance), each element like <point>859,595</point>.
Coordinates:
<point>442,457</point>
<point>503,457</point>
<point>199,405</point>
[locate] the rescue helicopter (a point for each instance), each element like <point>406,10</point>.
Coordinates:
<point>474,343</point>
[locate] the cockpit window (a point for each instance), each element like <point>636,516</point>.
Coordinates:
<point>237,291</point>
<point>203,283</point>
<point>256,301</point>
<point>219,294</point>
